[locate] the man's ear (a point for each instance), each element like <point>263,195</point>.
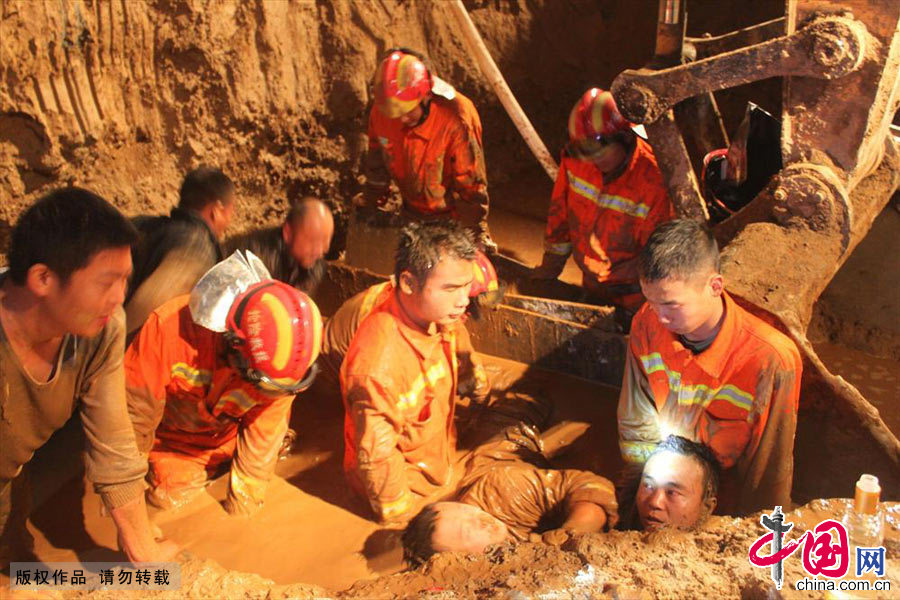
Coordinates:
<point>717,284</point>
<point>287,233</point>
<point>40,280</point>
<point>408,284</point>
<point>709,505</point>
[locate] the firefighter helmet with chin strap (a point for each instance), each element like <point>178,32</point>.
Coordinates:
<point>595,119</point>
<point>486,290</point>
<point>275,332</point>
<point>402,81</point>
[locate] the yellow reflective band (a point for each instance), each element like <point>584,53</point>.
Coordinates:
<point>370,298</point>
<point>284,333</point>
<point>394,507</point>
<point>434,374</point>
<point>562,249</point>
<point>636,452</point>
<point>195,377</point>
<point>237,398</point>
<point>610,201</point>
<point>699,394</point>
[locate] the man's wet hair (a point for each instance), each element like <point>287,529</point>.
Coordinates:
<point>423,245</point>
<point>681,249</point>
<point>700,452</point>
<point>203,186</point>
<point>64,230</point>
<point>417,544</point>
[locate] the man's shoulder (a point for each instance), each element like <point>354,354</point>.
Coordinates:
<point>266,237</point>
<point>459,112</point>
<point>760,340</point>
<point>646,167</point>
<point>377,333</point>
<point>644,326</point>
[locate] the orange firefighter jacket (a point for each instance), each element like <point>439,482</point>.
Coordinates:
<point>340,329</point>
<point>739,396</point>
<point>399,390</point>
<point>182,392</point>
<point>438,165</point>
<point>606,225</point>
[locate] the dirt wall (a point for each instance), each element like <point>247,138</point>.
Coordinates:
<point>124,97</point>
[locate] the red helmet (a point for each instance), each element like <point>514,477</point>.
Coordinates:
<point>486,279</point>
<point>595,114</point>
<point>401,82</point>
<point>486,287</point>
<point>277,332</point>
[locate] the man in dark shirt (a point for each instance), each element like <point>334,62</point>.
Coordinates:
<point>175,251</point>
<point>294,251</point>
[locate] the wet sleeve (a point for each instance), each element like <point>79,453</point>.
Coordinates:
<point>147,374</point>
<point>178,272</point>
<point>380,464</point>
<point>112,460</point>
<point>375,169</point>
<point>638,421</point>
<point>259,440</point>
<point>473,379</point>
<point>468,178</point>
<point>584,486</point>
<point>767,466</point>
<point>557,239</point>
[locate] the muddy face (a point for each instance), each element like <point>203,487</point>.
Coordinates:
<point>671,492</point>
<point>461,527</point>
<point>444,296</point>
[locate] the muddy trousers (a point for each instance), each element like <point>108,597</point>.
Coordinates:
<point>179,471</point>
<point>16,543</point>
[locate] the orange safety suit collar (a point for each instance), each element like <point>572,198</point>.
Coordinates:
<point>713,359</point>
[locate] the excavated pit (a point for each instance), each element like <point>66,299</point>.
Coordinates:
<point>125,97</point>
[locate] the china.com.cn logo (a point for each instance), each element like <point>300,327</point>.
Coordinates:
<point>826,550</point>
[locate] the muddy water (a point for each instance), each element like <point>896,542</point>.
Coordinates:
<point>877,379</point>
<point>520,237</point>
<point>312,530</point>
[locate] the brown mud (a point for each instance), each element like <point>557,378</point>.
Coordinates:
<point>124,97</point>
<point>312,528</point>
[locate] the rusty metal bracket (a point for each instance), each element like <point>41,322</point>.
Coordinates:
<point>828,48</point>
<point>814,194</point>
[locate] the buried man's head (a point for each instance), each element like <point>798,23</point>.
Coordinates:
<point>450,527</point>
<point>678,486</point>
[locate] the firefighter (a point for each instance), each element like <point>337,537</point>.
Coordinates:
<point>294,251</point>
<point>339,330</point>
<point>700,366</point>
<point>608,198</point>
<point>210,391</point>
<point>176,250</point>
<point>426,136</point>
<point>399,378</point>
<point>62,336</point>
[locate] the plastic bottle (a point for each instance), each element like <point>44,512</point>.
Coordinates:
<point>864,521</point>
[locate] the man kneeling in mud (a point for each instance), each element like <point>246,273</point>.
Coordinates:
<point>505,496</point>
